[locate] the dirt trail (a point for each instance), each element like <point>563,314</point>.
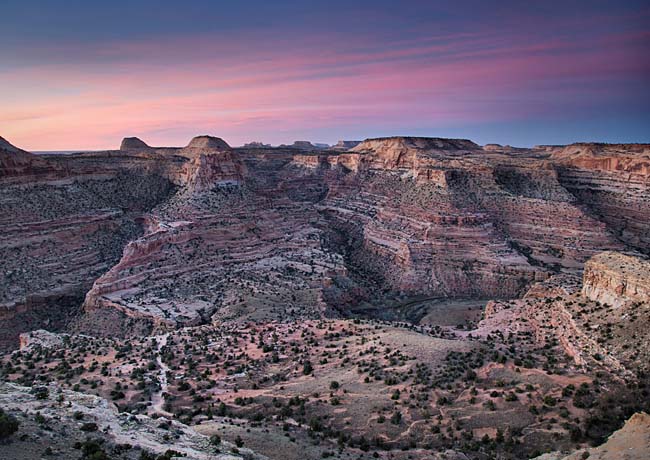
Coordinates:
<point>157,400</point>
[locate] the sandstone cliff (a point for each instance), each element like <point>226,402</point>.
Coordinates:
<point>631,442</point>
<point>613,182</point>
<point>407,216</point>
<point>617,279</point>
<point>207,171</point>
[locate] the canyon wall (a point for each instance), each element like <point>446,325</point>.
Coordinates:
<point>64,223</point>
<point>168,236</point>
<point>617,279</point>
<point>445,217</point>
<point>613,182</point>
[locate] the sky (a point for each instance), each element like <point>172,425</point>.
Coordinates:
<point>82,75</point>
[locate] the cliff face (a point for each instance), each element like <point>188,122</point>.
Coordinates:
<point>403,152</point>
<point>613,182</point>
<point>600,320</point>
<point>17,165</point>
<point>226,253</point>
<point>617,279</point>
<point>417,239</point>
<point>64,223</point>
<point>206,171</point>
<point>416,216</point>
<point>455,219</point>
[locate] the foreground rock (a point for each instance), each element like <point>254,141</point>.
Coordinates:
<point>42,339</point>
<point>632,442</point>
<point>585,320</point>
<point>65,418</point>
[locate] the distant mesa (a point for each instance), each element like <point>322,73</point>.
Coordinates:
<point>208,142</point>
<point>492,147</point>
<point>345,145</point>
<point>257,145</point>
<point>8,146</point>
<point>133,143</point>
<point>415,143</point>
<point>305,145</point>
<point>302,145</point>
<point>198,143</point>
<point>15,162</point>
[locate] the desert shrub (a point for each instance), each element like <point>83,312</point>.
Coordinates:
<point>90,426</point>
<point>8,425</point>
<point>40,392</point>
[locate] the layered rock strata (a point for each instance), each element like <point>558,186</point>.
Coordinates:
<point>617,279</point>
<point>584,316</point>
<point>613,181</point>
<point>282,232</point>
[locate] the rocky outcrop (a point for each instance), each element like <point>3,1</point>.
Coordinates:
<point>601,320</point>
<point>631,442</point>
<point>41,338</point>
<point>206,142</point>
<point>112,428</point>
<point>17,165</point>
<point>133,143</point>
<point>613,182</point>
<point>550,319</point>
<point>617,279</point>
<point>207,171</point>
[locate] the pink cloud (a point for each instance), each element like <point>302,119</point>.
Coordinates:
<point>241,93</point>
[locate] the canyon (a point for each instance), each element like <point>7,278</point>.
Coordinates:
<point>430,277</point>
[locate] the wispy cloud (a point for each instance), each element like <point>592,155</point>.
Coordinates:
<point>247,83</point>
